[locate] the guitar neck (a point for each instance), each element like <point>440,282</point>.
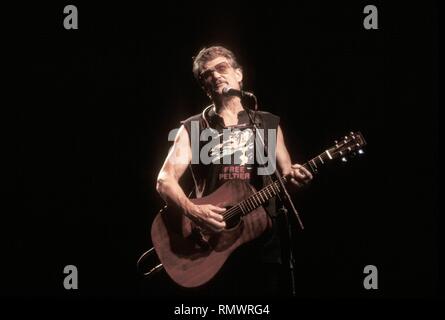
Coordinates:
<point>347,145</point>
<point>273,189</point>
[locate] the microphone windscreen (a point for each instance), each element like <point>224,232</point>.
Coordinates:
<point>226,90</point>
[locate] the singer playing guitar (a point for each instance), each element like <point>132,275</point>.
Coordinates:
<point>255,269</point>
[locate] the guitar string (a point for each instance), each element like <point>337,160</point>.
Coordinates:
<point>235,210</point>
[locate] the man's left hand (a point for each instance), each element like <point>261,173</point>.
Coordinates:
<point>299,175</point>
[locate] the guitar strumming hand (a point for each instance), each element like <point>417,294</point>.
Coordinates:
<point>207,216</point>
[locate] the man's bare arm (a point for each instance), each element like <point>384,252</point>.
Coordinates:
<point>174,166</point>
<point>172,170</point>
<point>299,175</point>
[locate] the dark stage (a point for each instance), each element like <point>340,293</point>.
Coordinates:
<point>93,107</point>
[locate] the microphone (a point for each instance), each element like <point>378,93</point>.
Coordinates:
<point>229,91</point>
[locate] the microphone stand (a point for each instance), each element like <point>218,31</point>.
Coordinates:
<point>284,199</point>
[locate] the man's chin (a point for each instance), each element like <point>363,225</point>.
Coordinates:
<point>217,92</point>
<point>219,89</point>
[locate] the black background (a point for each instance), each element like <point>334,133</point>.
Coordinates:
<point>92,109</point>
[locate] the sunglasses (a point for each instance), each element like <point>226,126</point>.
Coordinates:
<point>221,68</point>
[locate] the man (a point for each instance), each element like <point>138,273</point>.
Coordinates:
<point>216,69</point>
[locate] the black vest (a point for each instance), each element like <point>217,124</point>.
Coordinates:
<point>234,156</point>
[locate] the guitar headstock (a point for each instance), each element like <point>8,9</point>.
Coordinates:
<point>350,144</point>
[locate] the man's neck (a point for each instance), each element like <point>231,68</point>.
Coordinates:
<point>229,107</point>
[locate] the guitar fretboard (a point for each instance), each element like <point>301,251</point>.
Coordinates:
<point>273,189</point>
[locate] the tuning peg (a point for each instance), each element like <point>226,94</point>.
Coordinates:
<point>344,159</point>
<point>360,151</point>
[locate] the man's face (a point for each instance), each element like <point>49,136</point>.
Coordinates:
<point>217,74</point>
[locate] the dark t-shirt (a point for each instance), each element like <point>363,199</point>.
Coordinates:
<point>230,153</point>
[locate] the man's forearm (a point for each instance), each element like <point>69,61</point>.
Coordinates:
<point>171,192</point>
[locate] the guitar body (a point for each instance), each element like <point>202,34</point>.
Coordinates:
<point>191,257</point>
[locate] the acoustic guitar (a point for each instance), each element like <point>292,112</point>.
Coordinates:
<point>192,256</point>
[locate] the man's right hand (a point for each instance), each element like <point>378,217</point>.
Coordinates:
<point>207,216</point>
